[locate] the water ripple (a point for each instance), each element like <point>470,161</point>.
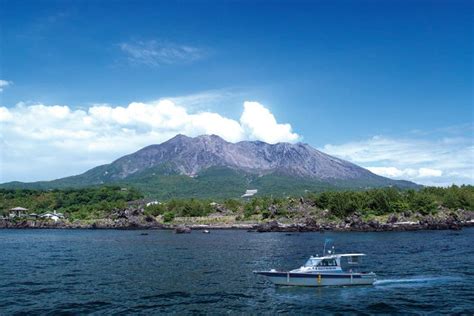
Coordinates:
<point>52,272</point>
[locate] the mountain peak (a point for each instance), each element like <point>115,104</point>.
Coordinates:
<point>192,155</point>
<point>178,137</point>
<point>204,137</point>
<point>210,136</point>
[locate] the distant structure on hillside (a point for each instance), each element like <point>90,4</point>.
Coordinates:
<point>54,216</point>
<point>18,211</point>
<point>155,202</point>
<point>22,212</point>
<point>249,193</point>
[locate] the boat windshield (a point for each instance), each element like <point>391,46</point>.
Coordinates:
<point>311,262</point>
<point>328,263</point>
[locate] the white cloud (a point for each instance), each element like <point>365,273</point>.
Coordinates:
<point>156,53</point>
<point>439,161</point>
<point>42,142</point>
<point>428,172</point>
<point>393,172</point>
<point>211,99</point>
<point>5,114</point>
<point>261,124</point>
<point>4,84</point>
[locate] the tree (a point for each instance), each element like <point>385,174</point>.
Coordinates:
<point>168,216</point>
<point>423,203</point>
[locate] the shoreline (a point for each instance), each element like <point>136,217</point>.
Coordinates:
<point>134,217</point>
<point>271,226</point>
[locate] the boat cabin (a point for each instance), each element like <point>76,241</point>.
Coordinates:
<point>331,262</point>
<point>320,262</point>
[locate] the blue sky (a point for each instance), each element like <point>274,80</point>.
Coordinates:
<point>385,84</point>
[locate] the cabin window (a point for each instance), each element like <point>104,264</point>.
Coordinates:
<point>353,260</point>
<point>310,263</point>
<point>328,263</point>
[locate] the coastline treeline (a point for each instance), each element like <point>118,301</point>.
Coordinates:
<point>84,203</point>
<point>339,203</point>
<point>99,202</point>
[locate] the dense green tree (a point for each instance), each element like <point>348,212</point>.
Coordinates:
<point>423,203</point>
<point>168,216</point>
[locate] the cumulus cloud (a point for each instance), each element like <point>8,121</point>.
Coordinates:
<point>439,161</point>
<point>393,172</point>
<point>156,53</point>
<point>428,172</point>
<point>260,123</point>
<point>47,141</point>
<point>4,84</point>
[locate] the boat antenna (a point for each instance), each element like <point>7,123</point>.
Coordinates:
<point>325,242</point>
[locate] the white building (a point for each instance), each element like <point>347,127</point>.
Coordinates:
<point>153,203</point>
<point>249,193</point>
<point>54,216</point>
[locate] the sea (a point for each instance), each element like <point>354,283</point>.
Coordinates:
<point>50,272</point>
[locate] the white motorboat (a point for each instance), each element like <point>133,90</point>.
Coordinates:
<point>323,271</point>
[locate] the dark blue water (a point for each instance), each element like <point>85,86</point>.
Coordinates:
<point>107,271</point>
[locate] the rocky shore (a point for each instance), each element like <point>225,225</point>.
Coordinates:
<point>134,217</point>
<point>310,225</point>
<point>370,226</point>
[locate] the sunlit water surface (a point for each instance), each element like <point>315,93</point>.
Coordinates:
<point>110,271</point>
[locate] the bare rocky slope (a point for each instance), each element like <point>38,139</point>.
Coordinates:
<point>189,156</point>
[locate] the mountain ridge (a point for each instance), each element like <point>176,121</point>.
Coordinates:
<point>183,156</point>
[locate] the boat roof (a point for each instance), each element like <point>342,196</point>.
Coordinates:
<point>331,256</point>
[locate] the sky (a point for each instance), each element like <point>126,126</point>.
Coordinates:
<point>387,85</point>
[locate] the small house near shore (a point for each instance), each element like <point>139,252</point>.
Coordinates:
<point>18,211</point>
<point>22,212</point>
<point>54,216</point>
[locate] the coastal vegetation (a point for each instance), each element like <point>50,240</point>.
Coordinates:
<point>86,203</point>
<point>340,204</point>
<point>101,202</point>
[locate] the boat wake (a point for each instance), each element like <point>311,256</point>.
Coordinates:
<point>415,281</point>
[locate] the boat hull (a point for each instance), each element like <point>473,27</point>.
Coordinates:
<point>323,279</point>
